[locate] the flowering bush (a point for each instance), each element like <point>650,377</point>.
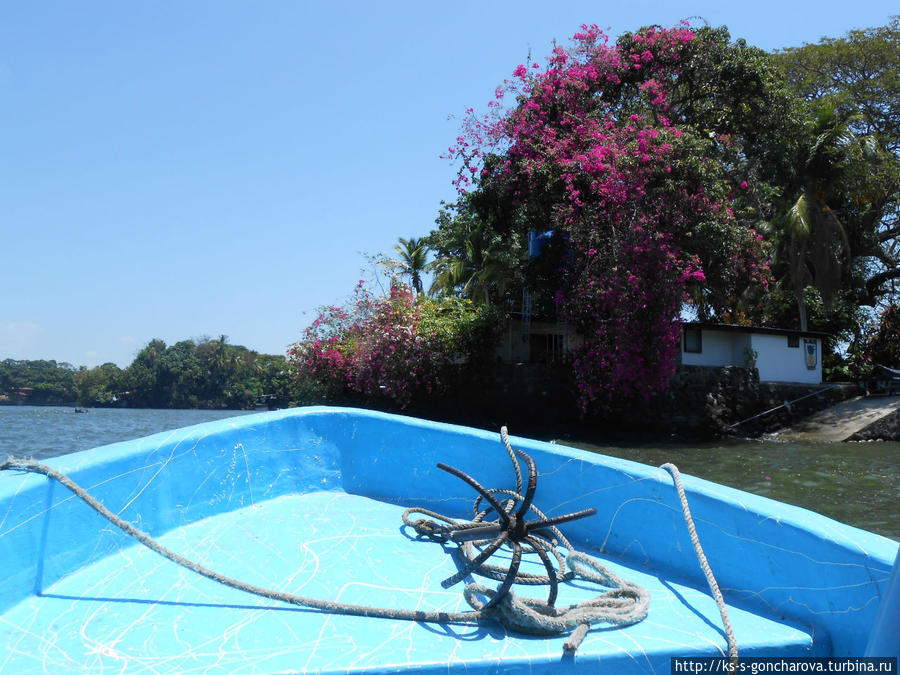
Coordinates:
<point>606,144</point>
<point>390,347</point>
<point>627,312</point>
<point>458,330</point>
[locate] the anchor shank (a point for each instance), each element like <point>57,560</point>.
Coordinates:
<point>556,520</point>
<point>488,531</point>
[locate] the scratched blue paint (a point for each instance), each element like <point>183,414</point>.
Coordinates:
<point>308,501</point>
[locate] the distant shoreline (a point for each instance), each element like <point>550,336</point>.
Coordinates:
<point>75,404</point>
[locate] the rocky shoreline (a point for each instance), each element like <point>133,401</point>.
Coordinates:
<point>887,429</point>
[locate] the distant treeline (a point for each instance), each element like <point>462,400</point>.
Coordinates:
<point>201,373</point>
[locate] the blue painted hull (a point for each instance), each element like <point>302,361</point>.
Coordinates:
<point>308,501</point>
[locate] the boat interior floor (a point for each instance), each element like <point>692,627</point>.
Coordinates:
<point>138,612</point>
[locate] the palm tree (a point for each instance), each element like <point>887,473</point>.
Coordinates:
<point>412,261</point>
<point>218,358</point>
<point>473,273</point>
<point>818,249</point>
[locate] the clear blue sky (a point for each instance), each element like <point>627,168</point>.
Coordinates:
<point>180,169</point>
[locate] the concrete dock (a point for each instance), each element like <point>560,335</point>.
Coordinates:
<point>841,421</point>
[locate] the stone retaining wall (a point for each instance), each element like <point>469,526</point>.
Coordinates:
<point>729,399</point>
<point>701,401</point>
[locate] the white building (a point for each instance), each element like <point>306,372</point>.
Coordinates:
<point>780,355</point>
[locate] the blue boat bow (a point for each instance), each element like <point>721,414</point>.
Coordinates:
<point>308,501</point>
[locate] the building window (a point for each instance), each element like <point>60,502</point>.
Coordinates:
<point>793,341</point>
<point>693,340</point>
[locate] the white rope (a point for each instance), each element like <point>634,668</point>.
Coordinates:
<point>704,563</point>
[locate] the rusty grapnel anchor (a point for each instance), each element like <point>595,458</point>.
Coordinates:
<point>511,528</point>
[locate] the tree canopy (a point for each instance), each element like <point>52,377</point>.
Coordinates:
<point>199,373</point>
<point>884,344</point>
<point>206,373</point>
<point>653,158</point>
<point>38,382</point>
<point>855,81</point>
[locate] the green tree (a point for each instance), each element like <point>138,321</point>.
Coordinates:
<point>460,330</point>
<point>38,382</point>
<point>858,77</point>
<point>276,377</point>
<point>216,363</point>
<point>884,345</point>
<point>858,74</point>
<point>99,386</point>
<point>144,377</point>
<point>474,260</point>
<point>230,378</point>
<point>180,375</point>
<point>202,373</point>
<point>818,249</point>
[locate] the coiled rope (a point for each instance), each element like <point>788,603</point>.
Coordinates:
<point>623,604</point>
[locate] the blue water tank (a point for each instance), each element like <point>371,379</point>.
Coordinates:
<point>536,242</point>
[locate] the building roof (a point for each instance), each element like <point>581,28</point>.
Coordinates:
<point>732,328</point>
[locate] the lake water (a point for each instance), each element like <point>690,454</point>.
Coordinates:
<point>41,432</point>
<point>855,483</point>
